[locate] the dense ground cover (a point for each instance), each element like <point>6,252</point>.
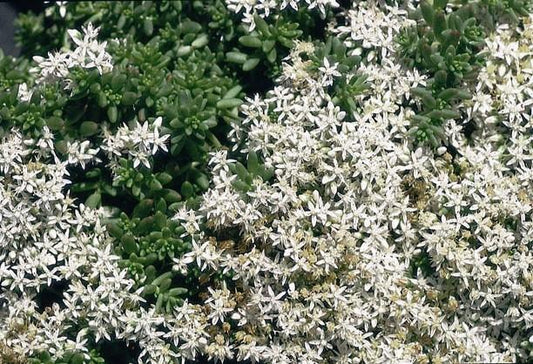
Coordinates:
<point>313,181</point>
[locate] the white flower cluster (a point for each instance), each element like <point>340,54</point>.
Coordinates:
<point>81,153</point>
<point>363,248</point>
<point>263,8</point>
<point>504,94</point>
<point>89,53</point>
<point>372,27</point>
<point>139,143</point>
<point>50,248</point>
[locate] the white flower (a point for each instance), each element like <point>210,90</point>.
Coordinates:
<point>81,153</point>
<point>89,53</point>
<point>219,304</point>
<point>329,72</point>
<point>140,142</point>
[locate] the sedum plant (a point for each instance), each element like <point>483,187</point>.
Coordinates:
<point>249,181</point>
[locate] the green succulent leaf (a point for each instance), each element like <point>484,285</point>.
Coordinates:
<point>236,57</point>
<point>425,95</point>
<point>178,291</point>
<point>187,189</point>
<point>88,128</point>
<point>129,98</point>
<point>164,178</point>
<point>149,289</point>
<point>55,123</point>
<point>114,230</point>
<point>94,200</point>
<point>112,114</point>
<point>250,41</point>
<point>427,12</point>
<point>128,244</point>
<point>262,26</point>
<point>229,103</point>
<point>143,208</point>
<point>250,64</point>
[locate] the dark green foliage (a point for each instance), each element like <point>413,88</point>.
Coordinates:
<point>43,108</point>
<point>246,175</point>
<point>68,358</point>
<point>446,45</point>
<point>264,42</point>
<point>13,71</point>
<point>492,12</point>
<point>148,240</point>
<point>422,262</point>
<point>350,83</point>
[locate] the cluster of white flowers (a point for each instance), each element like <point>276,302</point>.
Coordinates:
<point>139,143</point>
<point>363,248</point>
<point>372,27</point>
<point>504,94</point>
<point>50,248</point>
<point>81,153</point>
<point>263,8</point>
<point>89,53</point>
